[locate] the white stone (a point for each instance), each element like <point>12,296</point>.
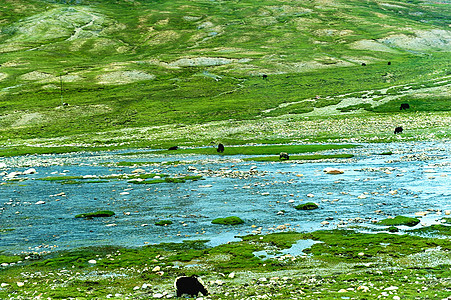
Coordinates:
<point>2,165</point>
<point>92,261</point>
<point>4,284</point>
<point>158,295</point>
<point>30,171</point>
<point>156,269</point>
<point>19,284</point>
<point>310,195</point>
<point>391,288</point>
<point>232,275</point>
<point>40,202</point>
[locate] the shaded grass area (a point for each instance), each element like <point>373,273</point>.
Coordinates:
<point>364,259</point>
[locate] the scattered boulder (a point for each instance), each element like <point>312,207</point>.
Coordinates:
<point>307,206</point>
<point>228,221</point>
<point>97,214</point>
<point>333,171</point>
<point>29,171</point>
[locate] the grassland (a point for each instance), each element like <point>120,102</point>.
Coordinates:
<point>342,263</point>
<point>190,73</point>
<point>152,74</point>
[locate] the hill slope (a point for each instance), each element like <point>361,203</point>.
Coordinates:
<point>132,64</point>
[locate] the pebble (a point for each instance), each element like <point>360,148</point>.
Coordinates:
<point>40,202</point>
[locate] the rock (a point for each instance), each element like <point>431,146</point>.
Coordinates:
<point>92,261</point>
<point>19,284</point>
<point>138,171</point>
<point>363,288</point>
<point>391,288</point>
<point>310,195</point>
<point>333,171</point>
<point>2,165</point>
<point>394,192</point>
<point>40,202</point>
<point>156,269</point>
<point>421,213</point>
<point>158,295</point>
<point>30,171</point>
<point>232,275</point>
<point>447,212</point>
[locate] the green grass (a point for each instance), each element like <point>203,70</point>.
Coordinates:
<point>307,50</point>
<point>399,220</point>
<point>301,157</point>
<point>257,150</point>
<point>347,259</point>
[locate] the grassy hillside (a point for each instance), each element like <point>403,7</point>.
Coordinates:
<point>138,64</point>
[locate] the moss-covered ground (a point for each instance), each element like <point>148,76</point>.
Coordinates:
<point>342,263</point>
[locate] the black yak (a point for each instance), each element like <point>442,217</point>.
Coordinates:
<point>192,286</point>
<point>398,129</point>
<point>404,106</point>
<point>284,156</point>
<point>220,148</point>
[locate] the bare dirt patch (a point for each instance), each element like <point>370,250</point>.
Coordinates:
<point>124,77</point>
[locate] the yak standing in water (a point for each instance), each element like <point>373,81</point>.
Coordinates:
<point>191,286</point>
<point>284,156</point>
<point>220,148</point>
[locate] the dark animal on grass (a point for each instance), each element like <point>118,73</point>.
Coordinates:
<point>363,64</point>
<point>173,148</point>
<point>284,156</point>
<point>398,130</point>
<point>389,63</point>
<point>404,106</point>
<point>265,76</point>
<point>220,148</point>
<point>191,286</point>
<point>65,104</point>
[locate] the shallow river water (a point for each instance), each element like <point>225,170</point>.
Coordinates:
<point>38,215</point>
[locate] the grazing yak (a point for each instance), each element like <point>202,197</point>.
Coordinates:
<point>284,156</point>
<point>265,76</point>
<point>404,106</point>
<point>173,148</point>
<point>398,129</point>
<point>191,286</point>
<point>220,148</point>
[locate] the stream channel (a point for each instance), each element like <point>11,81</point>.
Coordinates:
<point>39,215</point>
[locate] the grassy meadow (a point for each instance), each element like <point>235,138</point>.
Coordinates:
<point>81,75</point>
<point>140,65</point>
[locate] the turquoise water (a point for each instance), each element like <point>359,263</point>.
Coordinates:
<point>415,178</point>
